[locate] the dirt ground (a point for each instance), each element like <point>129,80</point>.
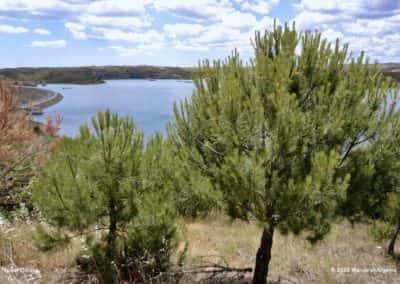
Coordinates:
<point>347,255</point>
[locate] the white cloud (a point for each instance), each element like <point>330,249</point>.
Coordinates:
<point>78,30</point>
<point>217,35</point>
<point>183,30</point>
<point>332,35</point>
<point>370,26</point>
<point>356,15</point>
<point>41,7</point>
<point>356,8</point>
<point>179,45</point>
<point>147,37</point>
<point>12,30</point>
<point>99,7</point>
<point>129,22</point>
<point>266,23</point>
<point>146,49</point>
<point>258,6</point>
<point>81,16</point>
<point>40,31</point>
<point>327,6</point>
<point>117,7</point>
<point>239,20</point>
<point>315,20</point>
<point>195,9</point>
<point>212,24</point>
<point>223,35</point>
<point>146,26</point>
<point>49,44</point>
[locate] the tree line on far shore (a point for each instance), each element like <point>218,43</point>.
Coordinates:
<point>92,74</point>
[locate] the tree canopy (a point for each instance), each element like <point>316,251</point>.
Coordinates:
<point>104,185</point>
<point>274,135</point>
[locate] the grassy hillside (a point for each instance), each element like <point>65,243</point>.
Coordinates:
<point>347,255</point>
<point>93,74</point>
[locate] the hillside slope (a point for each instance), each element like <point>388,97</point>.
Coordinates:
<point>92,74</point>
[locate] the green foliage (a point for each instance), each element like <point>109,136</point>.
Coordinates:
<point>375,184</point>
<point>275,136</point>
<point>192,193</point>
<point>106,187</point>
<point>93,74</point>
<point>375,180</point>
<point>152,236</point>
<point>45,240</point>
<point>388,169</point>
<point>381,231</point>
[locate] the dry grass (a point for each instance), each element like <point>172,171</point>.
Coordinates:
<point>345,248</point>
<point>292,258</point>
<point>21,262</point>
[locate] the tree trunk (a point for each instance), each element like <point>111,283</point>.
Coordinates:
<point>112,231</point>
<point>393,239</point>
<point>264,255</point>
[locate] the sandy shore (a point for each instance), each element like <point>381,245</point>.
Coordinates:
<point>37,98</point>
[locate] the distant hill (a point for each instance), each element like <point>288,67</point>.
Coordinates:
<point>92,74</point>
<point>392,70</point>
<point>97,74</point>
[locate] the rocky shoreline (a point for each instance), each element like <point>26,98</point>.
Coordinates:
<point>36,99</point>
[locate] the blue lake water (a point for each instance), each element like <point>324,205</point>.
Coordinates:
<point>149,103</point>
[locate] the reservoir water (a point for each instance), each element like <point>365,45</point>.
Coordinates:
<point>149,103</point>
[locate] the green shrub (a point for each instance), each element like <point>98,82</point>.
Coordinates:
<point>380,231</point>
<point>103,186</point>
<point>152,237</point>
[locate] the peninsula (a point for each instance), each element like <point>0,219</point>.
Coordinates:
<point>36,99</point>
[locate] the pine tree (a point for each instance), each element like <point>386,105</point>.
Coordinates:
<point>106,182</point>
<point>274,136</point>
<point>375,180</point>
<point>385,183</point>
<point>193,193</point>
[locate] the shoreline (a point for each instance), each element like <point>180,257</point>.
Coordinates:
<point>55,99</point>
<point>37,98</point>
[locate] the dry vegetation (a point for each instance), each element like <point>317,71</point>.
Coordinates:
<point>294,260</point>
<point>23,149</point>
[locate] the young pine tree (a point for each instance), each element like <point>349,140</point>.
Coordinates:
<point>374,189</point>
<point>104,185</point>
<point>274,136</point>
<point>385,182</point>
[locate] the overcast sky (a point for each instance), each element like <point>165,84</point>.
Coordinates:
<point>180,32</point>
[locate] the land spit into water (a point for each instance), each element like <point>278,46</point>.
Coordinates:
<point>35,99</point>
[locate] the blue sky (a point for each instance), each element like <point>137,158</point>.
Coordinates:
<point>180,32</point>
